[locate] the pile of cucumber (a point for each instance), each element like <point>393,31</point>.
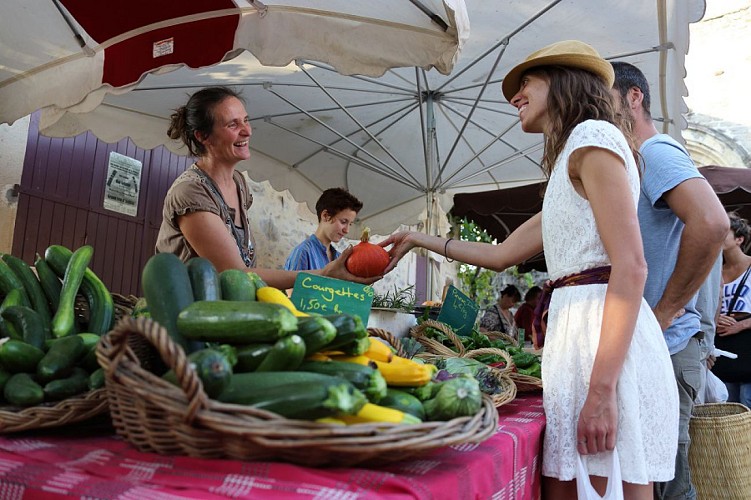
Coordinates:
<point>47,351</point>
<point>249,345</point>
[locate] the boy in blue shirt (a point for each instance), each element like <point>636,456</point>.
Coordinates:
<point>337,209</point>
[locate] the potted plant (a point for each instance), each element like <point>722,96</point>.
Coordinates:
<point>393,311</point>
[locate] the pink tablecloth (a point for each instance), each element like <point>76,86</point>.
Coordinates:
<point>101,466</point>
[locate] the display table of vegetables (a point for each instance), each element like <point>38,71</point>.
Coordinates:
<point>240,361</point>
<point>477,352</point>
<point>49,375</point>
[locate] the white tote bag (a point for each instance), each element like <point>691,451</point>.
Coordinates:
<point>584,488</point>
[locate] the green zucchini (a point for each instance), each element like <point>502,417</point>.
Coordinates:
<point>287,354</point>
<point>28,323</point>
<point>22,390</point>
<point>212,368</point>
<point>234,322</point>
<point>17,356</point>
<point>167,288</point>
<point>141,308</point>
<point>96,379</point>
<point>63,388</point>
<point>51,284</point>
<point>63,323</point>
<point>237,285</point>
<point>351,334</point>
<point>316,332</point>
<point>204,279</point>
<point>403,401</point>
<point>62,356</point>
<point>98,297</point>
<point>257,281</point>
<point>9,281</point>
<point>245,385</point>
<point>15,297</point>
<point>308,397</point>
<point>31,285</point>
<point>365,378</point>
<point>249,357</point>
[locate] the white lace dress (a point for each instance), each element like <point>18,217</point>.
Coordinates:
<point>647,393</point>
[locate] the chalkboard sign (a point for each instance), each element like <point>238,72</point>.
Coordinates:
<point>458,311</point>
<point>322,295</point>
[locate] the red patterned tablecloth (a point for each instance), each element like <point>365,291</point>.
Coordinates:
<point>99,465</point>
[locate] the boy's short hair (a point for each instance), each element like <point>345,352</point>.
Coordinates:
<point>334,200</point>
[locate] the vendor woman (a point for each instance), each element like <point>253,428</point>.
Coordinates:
<point>205,210</point>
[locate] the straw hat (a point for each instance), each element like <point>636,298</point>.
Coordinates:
<point>570,53</point>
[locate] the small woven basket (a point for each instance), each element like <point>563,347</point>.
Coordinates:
<point>436,350</point>
<point>156,416</point>
<point>70,410</point>
<point>720,451</point>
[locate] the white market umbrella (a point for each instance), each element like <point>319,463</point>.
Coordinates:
<point>406,142</point>
<point>57,52</point>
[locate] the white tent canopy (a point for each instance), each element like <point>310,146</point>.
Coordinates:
<point>407,141</point>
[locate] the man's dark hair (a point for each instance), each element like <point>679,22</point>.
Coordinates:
<point>741,229</point>
<point>334,200</point>
<point>628,76</point>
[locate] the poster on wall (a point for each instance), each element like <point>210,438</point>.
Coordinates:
<point>123,183</point>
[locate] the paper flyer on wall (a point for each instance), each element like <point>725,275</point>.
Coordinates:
<point>123,184</point>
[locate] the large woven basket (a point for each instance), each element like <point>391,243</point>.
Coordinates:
<point>436,350</point>
<point>156,416</point>
<point>720,451</point>
<point>70,410</point>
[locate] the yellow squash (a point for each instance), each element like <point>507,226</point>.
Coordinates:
<point>276,296</point>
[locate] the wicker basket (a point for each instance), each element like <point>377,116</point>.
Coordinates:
<point>436,350</point>
<point>720,451</point>
<point>156,416</point>
<point>70,410</point>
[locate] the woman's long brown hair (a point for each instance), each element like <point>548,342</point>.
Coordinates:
<point>574,96</point>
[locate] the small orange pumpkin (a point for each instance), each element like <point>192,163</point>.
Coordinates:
<point>367,260</point>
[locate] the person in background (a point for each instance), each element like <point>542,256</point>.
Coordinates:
<point>499,318</point>
<point>336,209</point>
<point>736,305</point>
<point>682,226</point>
<point>598,393</point>
<point>205,210</point>
<point>524,316</point>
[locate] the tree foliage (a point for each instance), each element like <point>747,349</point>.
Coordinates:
<point>476,282</point>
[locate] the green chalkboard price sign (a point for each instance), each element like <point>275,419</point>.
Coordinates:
<point>458,311</point>
<point>322,295</point>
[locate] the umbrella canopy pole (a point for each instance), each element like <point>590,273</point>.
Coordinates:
<point>431,165</point>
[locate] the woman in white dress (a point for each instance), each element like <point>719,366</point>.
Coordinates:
<point>608,382</point>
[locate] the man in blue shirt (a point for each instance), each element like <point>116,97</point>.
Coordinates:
<point>336,209</point>
<point>683,225</point>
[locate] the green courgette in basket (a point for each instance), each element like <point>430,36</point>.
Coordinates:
<point>29,323</point>
<point>299,395</point>
<point>49,281</point>
<point>15,297</point>
<point>237,285</point>
<point>204,279</point>
<point>17,356</point>
<point>61,358</point>
<point>32,287</point>
<point>316,332</point>
<point>76,383</point>
<point>249,357</point>
<point>212,368</point>
<point>234,322</point>
<point>167,288</point>
<point>351,335</point>
<point>98,297</point>
<point>63,322</point>
<point>286,354</point>
<point>22,390</point>
<point>365,378</point>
